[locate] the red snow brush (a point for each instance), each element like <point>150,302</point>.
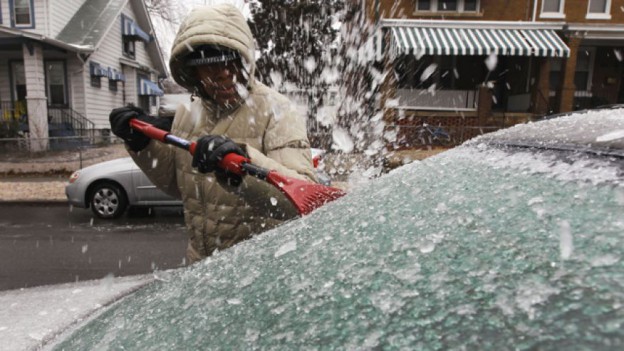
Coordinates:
<point>305,196</point>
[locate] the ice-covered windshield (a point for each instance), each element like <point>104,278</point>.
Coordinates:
<point>469,249</point>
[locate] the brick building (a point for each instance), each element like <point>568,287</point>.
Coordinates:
<point>469,65</point>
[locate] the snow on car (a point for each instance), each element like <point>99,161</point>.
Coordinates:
<point>513,240</point>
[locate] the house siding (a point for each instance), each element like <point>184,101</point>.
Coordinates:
<point>41,18</point>
<point>77,79</point>
<point>98,102</point>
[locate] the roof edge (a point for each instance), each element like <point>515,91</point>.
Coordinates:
<point>47,40</point>
<point>471,24</point>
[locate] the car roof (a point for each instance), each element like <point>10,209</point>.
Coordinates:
<point>591,131</point>
<point>35,315</point>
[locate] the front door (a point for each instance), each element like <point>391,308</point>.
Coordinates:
<point>56,83</point>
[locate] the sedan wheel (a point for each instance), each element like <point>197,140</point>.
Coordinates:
<point>108,200</point>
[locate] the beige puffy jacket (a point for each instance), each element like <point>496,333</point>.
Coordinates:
<point>266,125</point>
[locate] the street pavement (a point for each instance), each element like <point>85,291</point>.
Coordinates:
<point>51,243</point>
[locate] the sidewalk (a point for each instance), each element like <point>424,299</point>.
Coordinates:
<point>42,177</point>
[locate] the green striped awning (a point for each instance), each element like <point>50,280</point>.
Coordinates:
<point>477,41</point>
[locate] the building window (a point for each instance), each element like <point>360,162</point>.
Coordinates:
<point>22,13</point>
<point>599,9</point>
<point>144,102</point>
<point>423,5</point>
<point>96,82</point>
<point>470,5</point>
<point>112,85</point>
<point>129,47</point>
<point>96,72</point>
<point>447,5</point>
<point>56,83</point>
<point>552,9</point>
<point>131,32</point>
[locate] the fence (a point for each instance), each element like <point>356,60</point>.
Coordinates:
<point>413,136</point>
<point>20,148</point>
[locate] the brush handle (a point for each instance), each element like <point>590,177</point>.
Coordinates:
<point>232,162</point>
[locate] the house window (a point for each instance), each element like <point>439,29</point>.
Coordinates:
<point>552,8</point>
<point>144,102</point>
<point>599,9</point>
<point>56,86</point>
<point>584,65</point>
<point>470,5</point>
<point>96,72</point>
<point>114,76</point>
<point>131,32</point>
<point>128,47</point>
<point>424,5</point>
<point>96,82</point>
<point>447,5</point>
<point>22,13</point>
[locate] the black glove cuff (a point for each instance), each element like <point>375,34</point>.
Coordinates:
<point>138,143</point>
<point>228,178</point>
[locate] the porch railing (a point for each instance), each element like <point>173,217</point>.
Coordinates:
<point>70,119</point>
<point>451,100</point>
<point>13,119</point>
<point>14,115</point>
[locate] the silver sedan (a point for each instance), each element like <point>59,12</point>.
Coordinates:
<point>108,188</point>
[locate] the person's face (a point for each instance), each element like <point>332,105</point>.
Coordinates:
<point>222,81</point>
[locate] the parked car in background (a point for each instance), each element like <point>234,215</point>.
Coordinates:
<point>514,240</point>
<point>108,188</point>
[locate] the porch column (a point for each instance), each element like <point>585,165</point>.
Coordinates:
<point>484,107</point>
<point>569,68</point>
<point>36,100</point>
<point>540,96</point>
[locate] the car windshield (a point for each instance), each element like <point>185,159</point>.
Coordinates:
<point>481,247</point>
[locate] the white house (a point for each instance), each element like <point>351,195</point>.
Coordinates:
<point>64,64</point>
